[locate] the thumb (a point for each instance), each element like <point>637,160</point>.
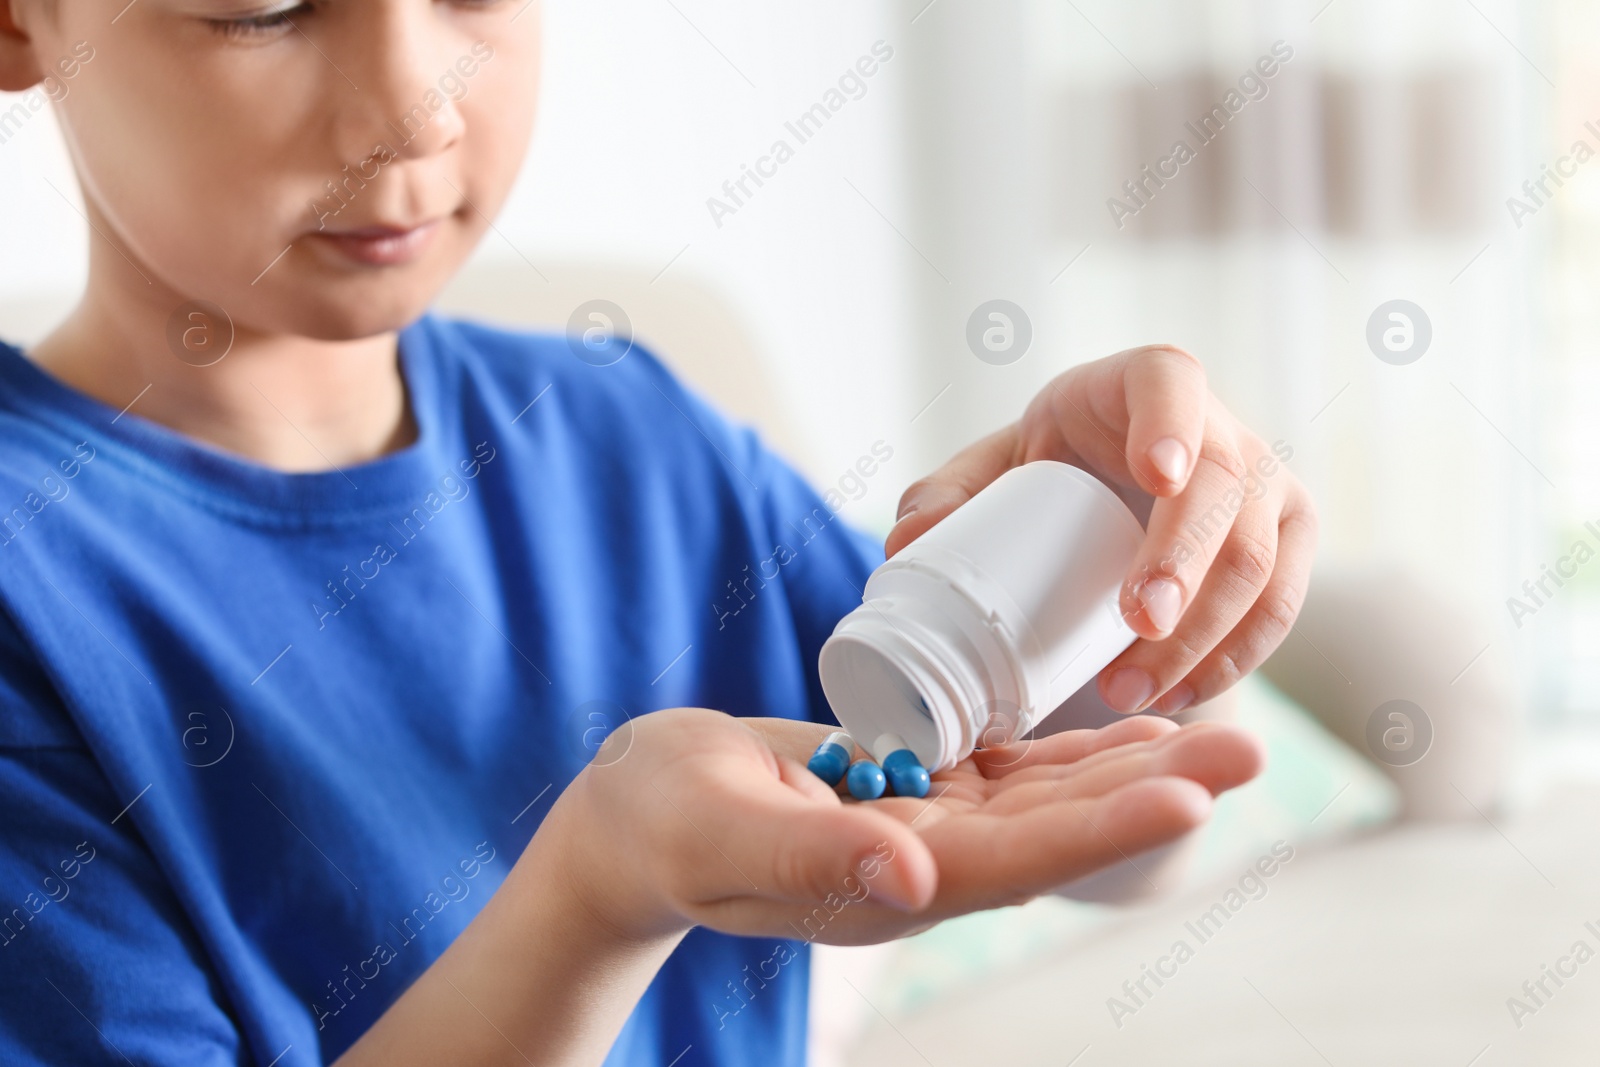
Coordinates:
<point>928,500</point>
<point>851,850</point>
<point>797,847</point>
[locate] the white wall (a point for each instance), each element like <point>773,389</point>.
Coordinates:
<point>643,120</point>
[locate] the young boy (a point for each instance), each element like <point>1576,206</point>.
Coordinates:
<point>300,647</point>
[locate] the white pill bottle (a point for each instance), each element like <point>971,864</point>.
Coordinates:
<point>990,620</point>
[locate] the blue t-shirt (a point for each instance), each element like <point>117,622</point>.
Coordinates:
<point>269,741</point>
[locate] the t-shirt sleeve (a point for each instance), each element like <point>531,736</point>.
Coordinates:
<point>831,562</point>
<point>824,560</point>
<point>98,961</point>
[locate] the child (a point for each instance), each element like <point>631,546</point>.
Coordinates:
<point>300,646</point>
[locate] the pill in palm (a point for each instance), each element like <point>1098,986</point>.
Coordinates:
<point>905,773</point>
<point>865,780</point>
<point>907,777</point>
<point>832,758</point>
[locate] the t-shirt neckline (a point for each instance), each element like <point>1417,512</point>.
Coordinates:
<point>232,483</point>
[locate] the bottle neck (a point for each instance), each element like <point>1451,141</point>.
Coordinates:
<point>898,664</point>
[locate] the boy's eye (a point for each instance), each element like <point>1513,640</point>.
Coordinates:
<point>262,24</point>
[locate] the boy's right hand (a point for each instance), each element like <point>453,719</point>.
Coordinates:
<point>706,819</point>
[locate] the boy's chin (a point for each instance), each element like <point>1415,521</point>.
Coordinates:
<point>334,316</point>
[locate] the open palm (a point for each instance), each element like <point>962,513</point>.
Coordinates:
<point>719,823</point>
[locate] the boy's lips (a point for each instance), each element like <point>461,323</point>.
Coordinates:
<point>381,246</point>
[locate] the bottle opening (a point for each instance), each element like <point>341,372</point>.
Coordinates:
<point>875,694</point>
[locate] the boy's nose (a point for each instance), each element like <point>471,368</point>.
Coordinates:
<point>408,84</point>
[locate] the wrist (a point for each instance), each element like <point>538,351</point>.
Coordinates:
<point>553,963</point>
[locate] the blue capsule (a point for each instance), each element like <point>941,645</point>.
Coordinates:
<point>832,758</point>
<point>906,775</point>
<point>866,780</point>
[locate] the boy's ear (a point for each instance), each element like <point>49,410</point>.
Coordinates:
<point>19,67</point>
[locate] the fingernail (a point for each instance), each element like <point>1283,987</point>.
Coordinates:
<point>1128,689</point>
<point>1170,458</point>
<point>885,886</point>
<point>1163,600</point>
<point>891,897</point>
<point>1178,697</point>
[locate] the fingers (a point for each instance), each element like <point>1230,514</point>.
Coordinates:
<point>1166,396</point>
<point>795,738</point>
<point>802,781</point>
<point>1144,408</point>
<point>1183,537</point>
<point>760,836</point>
<point>927,501</point>
<point>1269,619</point>
<point>1244,561</point>
<point>1069,746</point>
<point>1214,755</point>
<point>993,861</point>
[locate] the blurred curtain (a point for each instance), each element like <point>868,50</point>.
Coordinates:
<point>1372,164</point>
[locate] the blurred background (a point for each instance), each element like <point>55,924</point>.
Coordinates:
<point>1435,153</point>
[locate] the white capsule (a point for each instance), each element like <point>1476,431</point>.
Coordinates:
<point>885,744</point>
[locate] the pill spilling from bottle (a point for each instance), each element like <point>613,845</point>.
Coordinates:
<point>906,776</point>
<point>897,768</point>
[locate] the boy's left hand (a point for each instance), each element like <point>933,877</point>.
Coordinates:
<point>1227,552</point>
<point>694,817</point>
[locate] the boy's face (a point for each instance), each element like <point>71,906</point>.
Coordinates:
<point>371,139</point>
